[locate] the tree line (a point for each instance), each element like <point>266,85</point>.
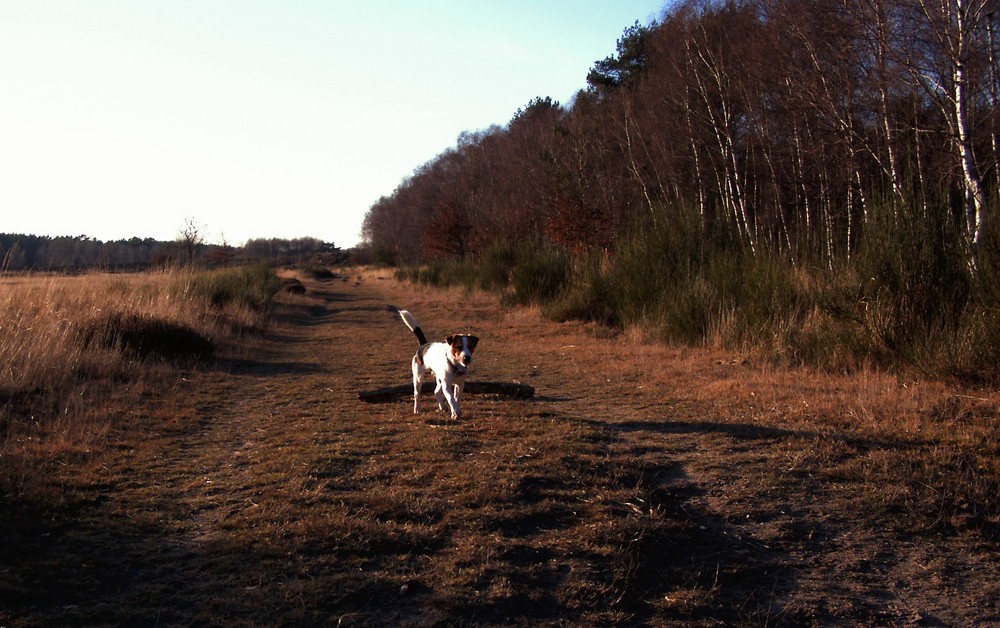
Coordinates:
<point>788,127</point>
<point>31,252</point>
<point>815,180</point>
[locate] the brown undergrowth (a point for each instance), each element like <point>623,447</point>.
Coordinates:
<point>642,484</point>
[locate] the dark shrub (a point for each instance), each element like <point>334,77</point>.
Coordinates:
<point>539,274</point>
<point>291,285</point>
<point>317,271</point>
<point>148,337</point>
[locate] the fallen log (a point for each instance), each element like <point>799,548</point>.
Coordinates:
<point>391,393</point>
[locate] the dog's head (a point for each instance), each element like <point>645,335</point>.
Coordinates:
<point>462,347</point>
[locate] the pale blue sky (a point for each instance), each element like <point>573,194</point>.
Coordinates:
<point>263,118</point>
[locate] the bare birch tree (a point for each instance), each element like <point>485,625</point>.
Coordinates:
<point>954,33</point>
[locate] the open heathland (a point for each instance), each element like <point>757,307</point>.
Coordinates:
<point>642,484</point>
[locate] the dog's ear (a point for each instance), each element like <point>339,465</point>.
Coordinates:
<point>473,341</point>
<point>451,339</point>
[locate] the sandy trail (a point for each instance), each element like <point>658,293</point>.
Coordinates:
<point>261,491</point>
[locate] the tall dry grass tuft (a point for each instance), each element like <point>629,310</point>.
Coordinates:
<point>74,348</point>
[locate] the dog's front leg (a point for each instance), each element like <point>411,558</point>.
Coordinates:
<point>439,395</point>
<point>448,389</point>
<point>456,411</point>
<point>459,389</point>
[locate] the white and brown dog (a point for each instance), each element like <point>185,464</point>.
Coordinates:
<point>449,360</point>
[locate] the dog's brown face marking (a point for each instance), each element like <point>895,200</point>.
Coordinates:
<point>458,345</point>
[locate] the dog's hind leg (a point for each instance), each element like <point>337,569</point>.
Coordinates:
<point>418,381</point>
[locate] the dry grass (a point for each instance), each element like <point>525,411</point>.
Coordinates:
<point>77,351</point>
<point>45,317</point>
<point>928,448</point>
<point>644,484</point>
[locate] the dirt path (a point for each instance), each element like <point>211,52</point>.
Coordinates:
<point>261,492</point>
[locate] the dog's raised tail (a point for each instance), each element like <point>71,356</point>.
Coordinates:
<point>414,326</point>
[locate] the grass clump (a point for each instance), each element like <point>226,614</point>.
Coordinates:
<point>247,286</point>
